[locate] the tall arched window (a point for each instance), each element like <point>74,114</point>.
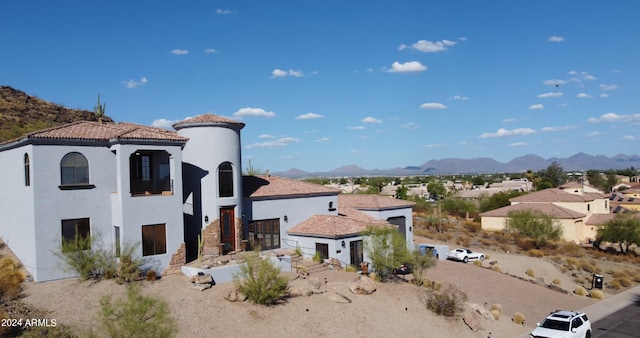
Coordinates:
<point>27,171</point>
<point>74,169</point>
<point>225,180</point>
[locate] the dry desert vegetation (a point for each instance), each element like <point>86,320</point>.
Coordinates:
<point>514,279</point>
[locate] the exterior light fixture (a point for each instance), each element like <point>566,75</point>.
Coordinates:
<point>343,244</point>
<point>206,218</point>
<point>409,229</point>
<point>286,218</point>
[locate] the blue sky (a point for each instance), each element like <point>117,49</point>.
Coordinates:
<point>324,83</point>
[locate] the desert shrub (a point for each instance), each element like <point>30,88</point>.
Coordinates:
<point>463,240</point>
<point>572,261</point>
<point>444,237</point>
<point>477,263</point>
<point>590,267</point>
<point>78,255</point>
<point>580,291</point>
<point>487,242</point>
<point>151,275</point>
<point>260,280</point>
<point>557,281</point>
<point>472,226</point>
<point>436,286</point>
<point>495,314</point>
<point>497,268</point>
<point>564,269</point>
<point>518,318</point>
<point>448,302</point>
<point>387,249</point>
<point>536,253</point>
<point>525,243</point>
<point>596,294</point>
<point>530,273</point>
<point>136,316</point>
<point>636,277</point>
<point>317,257</point>
<point>504,247</point>
<point>496,307</point>
<point>10,279</point>
<point>623,281</point>
<point>419,264</point>
<point>571,249</point>
<point>350,268</point>
<point>419,231</point>
<point>486,257</point>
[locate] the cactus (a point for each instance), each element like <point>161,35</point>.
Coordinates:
<point>99,109</point>
<point>200,245</point>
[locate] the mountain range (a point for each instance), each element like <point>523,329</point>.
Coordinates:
<point>481,165</point>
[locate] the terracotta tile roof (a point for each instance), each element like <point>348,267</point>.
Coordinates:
<point>372,202</point>
<point>264,186</point>
<point>571,185</point>
<point>207,120</point>
<point>359,215</point>
<point>549,209</point>
<point>624,198</point>
<point>94,131</point>
<point>556,195</point>
<point>330,226</point>
<point>597,219</point>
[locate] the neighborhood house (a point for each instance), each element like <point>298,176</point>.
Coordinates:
<point>124,183</point>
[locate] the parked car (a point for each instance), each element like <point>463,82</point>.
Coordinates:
<point>403,269</point>
<point>567,324</point>
<point>465,255</point>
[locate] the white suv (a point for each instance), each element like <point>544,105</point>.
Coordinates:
<point>563,324</point>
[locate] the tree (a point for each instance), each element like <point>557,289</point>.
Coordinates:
<point>437,190</point>
<point>595,179</point>
<point>623,230</point>
<point>459,207</point>
<point>387,250</point>
<point>420,263</point>
<point>402,192</point>
<point>533,224</point>
<point>554,174</point>
<point>611,181</point>
<point>498,200</point>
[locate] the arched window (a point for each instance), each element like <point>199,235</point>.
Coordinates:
<point>74,169</point>
<point>225,180</point>
<point>27,171</point>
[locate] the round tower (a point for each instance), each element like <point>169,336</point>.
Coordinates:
<point>212,184</point>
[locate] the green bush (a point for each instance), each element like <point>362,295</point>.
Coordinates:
<point>78,255</point>
<point>448,302</point>
<point>137,316</point>
<point>317,257</point>
<point>260,280</point>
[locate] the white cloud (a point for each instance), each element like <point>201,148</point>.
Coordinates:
<point>604,95</point>
<point>283,73</point>
<point>253,112</point>
<point>407,67</point>
<point>562,128</point>
<point>536,106</point>
<point>356,128</point>
<point>279,143</point>
<point>509,120</point>
<point>433,105</point>
<point>629,138</point>
<point>224,11</point>
<point>550,94</point>
<point>164,123</point>
<point>410,125</point>
<point>309,116</point>
<point>322,139</point>
<point>555,39</point>
<point>211,51</point>
<point>606,87</point>
<point>266,136</point>
<point>458,97</point>
<point>588,77</point>
<point>179,52</point>
<point>518,144</point>
<point>593,134</point>
<point>583,96</point>
<point>613,117</point>
<point>505,132</point>
<point>429,46</point>
<point>133,84</point>
<point>432,145</point>
<point>370,119</point>
<point>554,82</point>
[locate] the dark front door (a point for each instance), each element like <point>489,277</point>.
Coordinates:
<point>355,251</point>
<point>227,229</point>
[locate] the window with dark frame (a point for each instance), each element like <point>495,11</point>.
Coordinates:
<point>27,171</point>
<point>323,249</point>
<point>264,234</point>
<point>77,230</point>
<point>225,180</point>
<point>154,239</point>
<point>74,169</point>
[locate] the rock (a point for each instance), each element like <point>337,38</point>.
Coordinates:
<point>235,296</point>
<point>294,291</point>
<point>363,286</point>
<point>471,319</point>
<point>203,279</point>
<point>338,298</point>
<point>201,287</point>
<point>481,311</point>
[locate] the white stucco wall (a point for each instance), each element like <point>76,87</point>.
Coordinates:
<point>17,221</point>
<point>407,213</point>
<point>297,210</point>
<point>308,247</point>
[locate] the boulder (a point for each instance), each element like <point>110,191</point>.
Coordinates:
<point>338,298</point>
<point>363,286</point>
<point>471,319</point>
<point>235,296</point>
<point>200,287</point>
<point>203,279</point>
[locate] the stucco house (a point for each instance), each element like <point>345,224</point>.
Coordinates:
<point>128,183</point>
<point>578,209</point>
